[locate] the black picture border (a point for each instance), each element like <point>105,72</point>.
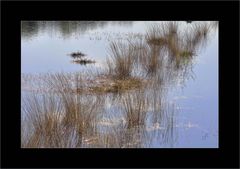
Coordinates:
<point>227,155</point>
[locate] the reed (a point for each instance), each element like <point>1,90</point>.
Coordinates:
<point>178,43</point>
<point>161,34</point>
<point>44,114</point>
<point>60,121</point>
<point>121,60</point>
<point>135,108</point>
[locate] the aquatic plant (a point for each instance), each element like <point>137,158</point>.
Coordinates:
<point>135,108</point>
<point>77,55</point>
<point>178,43</point>
<point>161,34</point>
<point>121,60</point>
<point>62,119</point>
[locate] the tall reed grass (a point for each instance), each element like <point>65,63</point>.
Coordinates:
<point>135,107</point>
<point>179,43</point>
<point>121,60</point>
<point>62,119</point>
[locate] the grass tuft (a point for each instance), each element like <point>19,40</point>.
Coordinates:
<point>120,63</point>
<point>135,108</point>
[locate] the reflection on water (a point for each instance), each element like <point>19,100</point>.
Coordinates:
<point>130,100</point>
<point>65,28</point>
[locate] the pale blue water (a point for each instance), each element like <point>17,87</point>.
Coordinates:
<point>198,102</point>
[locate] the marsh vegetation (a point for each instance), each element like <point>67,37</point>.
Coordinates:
<point>123,104</point>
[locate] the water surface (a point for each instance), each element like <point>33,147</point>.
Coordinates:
<point>45,47</point>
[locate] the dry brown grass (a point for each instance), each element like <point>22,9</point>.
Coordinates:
<point>118,85</point>
<point>74,122</point>
<point>63,84</point>
<point>135,108</point>
<point>121,60</point>
<point>179,43</point>
<point>60,121</point>
<point>159,34</point>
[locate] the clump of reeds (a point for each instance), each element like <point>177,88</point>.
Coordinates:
<point>62,119</point>
<point>44,113</point>
<point>195,37</point>
<point>135,108</point>
<point>77,109</point>
<point>161,38</point>
<point>178,43</point>
<point>162,34</point>
<point>202,29</point>
<point>81,114</point>
<point>120,63</point>
<point>147,56</point>
<point>199,35</point>
<point>161,118</point>
<point>151,59</point>
<point>64,128</point>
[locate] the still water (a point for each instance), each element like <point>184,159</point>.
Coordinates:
<point>45,48</point>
